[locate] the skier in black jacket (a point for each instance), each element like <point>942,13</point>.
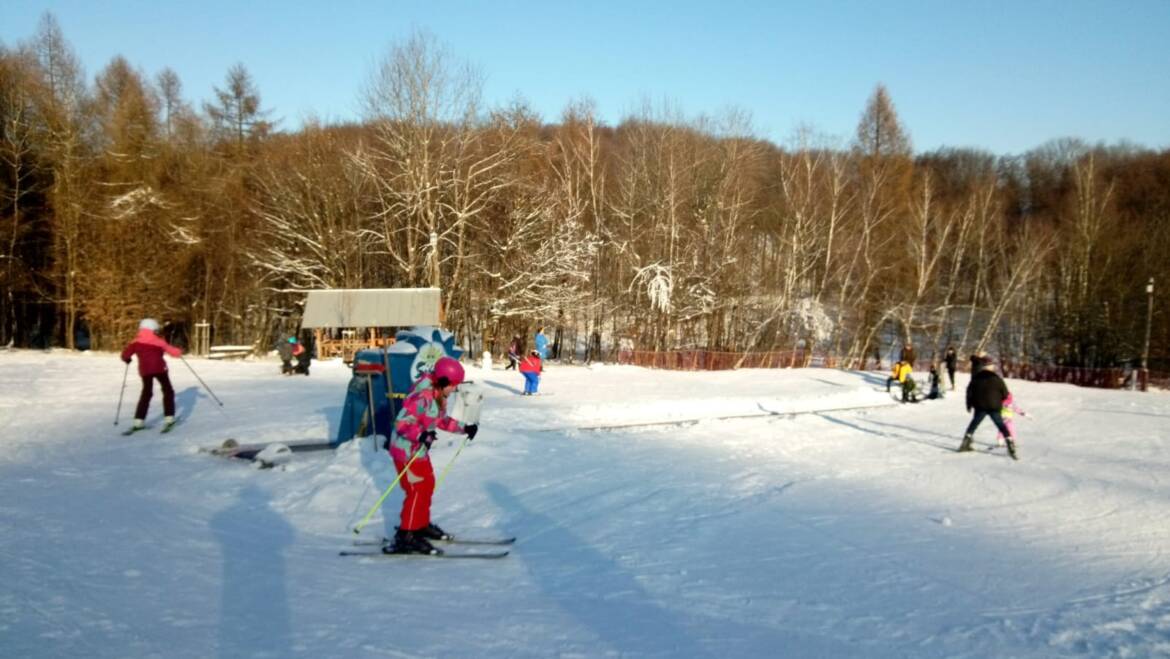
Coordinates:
<point>985,395</point>
<point>952,360</point>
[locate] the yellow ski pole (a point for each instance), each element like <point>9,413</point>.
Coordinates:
<point>448,467</point>
<point>365,520</point>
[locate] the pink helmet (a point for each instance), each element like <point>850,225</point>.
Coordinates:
<point>447,369</point>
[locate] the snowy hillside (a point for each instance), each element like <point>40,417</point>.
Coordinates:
<point>741,531</point>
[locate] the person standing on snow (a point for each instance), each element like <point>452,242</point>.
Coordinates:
<point>541,344</point>
<point>514,349</point>
<point>952,360</point>
<point>149,347</point>
<point>530,368</point>
<point>908,354</point>
<point>935,383</point>
<point>423,411</point>
<point>285,350</point>
<point>985,396</point>
<point>895,374</point>
<point>302,354</point>
<point>905,375</point>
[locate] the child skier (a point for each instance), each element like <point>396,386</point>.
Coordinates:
<point>902,373</point>
<point>893,375</point>
<point>935,383</point>
<point>514,349</point>
<point>530,368</point>
<point>149,347</point>
<point>985,396</point>
<point>424,410</point>
<point>302,354</point>
<point>1010,409</point>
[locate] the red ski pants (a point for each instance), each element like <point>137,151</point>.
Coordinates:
<point>419,484</point>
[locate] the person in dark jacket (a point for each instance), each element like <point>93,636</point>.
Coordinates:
<point>978,360</point>
<point>514,350</point>
<point>985,395</point>
<point>908,354</point>
<point>935,383</point>
<point>150,347</point>
<point>285,350</point>
<point>952,360</point>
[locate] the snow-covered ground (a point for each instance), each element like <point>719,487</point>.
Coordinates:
<point>841,534</point>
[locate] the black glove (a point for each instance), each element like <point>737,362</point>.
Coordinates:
<point>126,360</point>
<point>471,429</point>
<point>427,438</point>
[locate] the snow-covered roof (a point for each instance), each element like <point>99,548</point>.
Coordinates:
<point>371,307</point>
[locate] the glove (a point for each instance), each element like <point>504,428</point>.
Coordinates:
<point>471,429</point>
<point>427,438</point>
<point>126,360</point>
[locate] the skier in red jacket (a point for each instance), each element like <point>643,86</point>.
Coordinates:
<point>149,347</point>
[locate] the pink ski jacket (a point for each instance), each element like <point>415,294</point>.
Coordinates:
<point>421,411</point>
<point>150,348</point>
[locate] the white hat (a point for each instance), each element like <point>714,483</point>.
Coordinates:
<point>149,323</point>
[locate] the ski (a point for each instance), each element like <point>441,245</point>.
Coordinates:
<point>378,554</point>
<point>133,430</point>
<point>167,427</point>
<point>451,541</point>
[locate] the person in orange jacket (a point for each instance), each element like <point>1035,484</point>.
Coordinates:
<point>530,368</point>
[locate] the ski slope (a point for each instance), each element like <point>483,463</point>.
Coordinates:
<point>750,526</point>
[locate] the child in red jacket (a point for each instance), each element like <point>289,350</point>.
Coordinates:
<point>149,347</point>
<point>530,368</point>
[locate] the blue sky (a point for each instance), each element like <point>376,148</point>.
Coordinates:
<point>1003,76</point>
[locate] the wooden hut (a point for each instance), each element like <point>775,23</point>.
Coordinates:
<point>345,320</point>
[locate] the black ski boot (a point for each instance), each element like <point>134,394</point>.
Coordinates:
<point>433,532</point>
<point>409,542</point>
<point>1011,444</point>
<point>966,445</point>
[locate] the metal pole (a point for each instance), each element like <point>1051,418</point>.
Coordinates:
<point>1149,321</point>
<point>118,412</point>
<point>434,259</point>
<point>202,382</point>
<point>358,529</point>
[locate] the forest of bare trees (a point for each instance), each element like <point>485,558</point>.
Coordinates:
<point>120,198</point>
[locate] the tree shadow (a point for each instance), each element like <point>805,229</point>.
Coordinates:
<point>254,610</point>
<point>607,600</point>
<point>332,414</point>
<point>872,378</point>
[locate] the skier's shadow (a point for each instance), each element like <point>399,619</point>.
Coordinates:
<point>497,385</point>
<point>907,436</point>
<point>185,401</point>
<point>610,602</point>
<point>254,611</point>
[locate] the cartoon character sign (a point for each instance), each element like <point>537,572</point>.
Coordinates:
<point>424,361</point>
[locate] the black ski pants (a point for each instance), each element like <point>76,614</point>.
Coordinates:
<point>147,391</point>
<point>995,418</point>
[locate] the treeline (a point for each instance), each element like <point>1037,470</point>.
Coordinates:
<point>120,199</point>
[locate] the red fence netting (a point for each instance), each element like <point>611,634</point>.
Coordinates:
<point>710,360</point>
